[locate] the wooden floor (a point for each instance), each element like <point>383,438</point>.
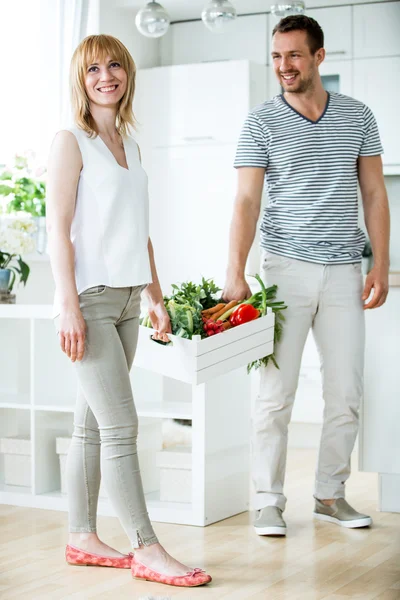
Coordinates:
<point>316,561</point>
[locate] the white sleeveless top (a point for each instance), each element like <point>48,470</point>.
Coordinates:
<point>110,227</point>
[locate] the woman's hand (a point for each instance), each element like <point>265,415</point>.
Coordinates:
<point>160,321</point>
<point>72,334</point>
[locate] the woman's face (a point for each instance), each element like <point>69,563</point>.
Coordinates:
<point>105,82</point>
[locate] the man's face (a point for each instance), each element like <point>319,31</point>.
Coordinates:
<point>294,65</point>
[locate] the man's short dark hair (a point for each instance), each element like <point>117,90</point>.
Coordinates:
<point>314,32</point>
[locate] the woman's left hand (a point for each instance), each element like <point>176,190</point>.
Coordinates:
<point>160,321</point>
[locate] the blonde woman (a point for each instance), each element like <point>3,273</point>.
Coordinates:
<point>102,259</point>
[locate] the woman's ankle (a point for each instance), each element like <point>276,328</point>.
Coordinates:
<point>82,539</point>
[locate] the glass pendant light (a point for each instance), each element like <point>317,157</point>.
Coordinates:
<point>152,20</point>
<point>217,14</point>
<point>284,9</point>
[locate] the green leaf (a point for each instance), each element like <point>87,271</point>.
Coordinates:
<point>24,270</point>
<point>12,280</point>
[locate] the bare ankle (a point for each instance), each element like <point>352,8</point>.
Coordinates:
<point>154,548</point>
<point>82,538</point>
<point>328,502</point>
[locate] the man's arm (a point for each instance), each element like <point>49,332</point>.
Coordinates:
<point>377,220</point>
<point>243,228</point>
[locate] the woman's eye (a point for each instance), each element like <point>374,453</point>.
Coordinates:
<point>115,64</point>
<point>92,69</point>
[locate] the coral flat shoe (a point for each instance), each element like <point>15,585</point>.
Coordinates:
<point>192,579</point>
<point>76,556</point>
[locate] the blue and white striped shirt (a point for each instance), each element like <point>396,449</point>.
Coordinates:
<point>311,176</point>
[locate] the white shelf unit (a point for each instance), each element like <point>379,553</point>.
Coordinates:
<point>37,400</point>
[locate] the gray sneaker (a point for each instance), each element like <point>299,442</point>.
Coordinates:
<point>269,521</point>
<point>341,513</point>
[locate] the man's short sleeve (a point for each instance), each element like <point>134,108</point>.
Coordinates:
<point>371,145</point>
<point>253,146</point>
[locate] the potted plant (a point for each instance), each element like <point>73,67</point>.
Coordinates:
<point>24,191</point>
<point>16,239</point>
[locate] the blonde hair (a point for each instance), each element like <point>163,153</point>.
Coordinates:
<point>91,49</point>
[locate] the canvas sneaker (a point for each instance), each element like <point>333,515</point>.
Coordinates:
<point>341,513</point>
<point>269,521</point>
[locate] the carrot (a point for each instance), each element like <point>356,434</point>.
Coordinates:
<point>214,309</point>
<point>226,325</point>
<point>219,314</point>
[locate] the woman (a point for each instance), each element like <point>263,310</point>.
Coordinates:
<point>102,259</point>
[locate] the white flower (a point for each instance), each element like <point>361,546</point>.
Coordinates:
<point>16,236</point>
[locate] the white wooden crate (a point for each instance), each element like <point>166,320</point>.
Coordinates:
<point>199,360</point>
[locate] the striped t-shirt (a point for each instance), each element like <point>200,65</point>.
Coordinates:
<point>311,176</point>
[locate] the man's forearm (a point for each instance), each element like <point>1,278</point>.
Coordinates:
<point>377,220</point>
<point>242,232</point>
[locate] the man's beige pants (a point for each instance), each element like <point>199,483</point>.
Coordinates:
<point>327,299</point>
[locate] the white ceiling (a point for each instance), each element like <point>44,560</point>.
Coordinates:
<point>181,10</point>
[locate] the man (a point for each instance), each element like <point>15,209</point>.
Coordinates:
<point>311,147</point>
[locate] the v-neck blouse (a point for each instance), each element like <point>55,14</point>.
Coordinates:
<point>110,227</point>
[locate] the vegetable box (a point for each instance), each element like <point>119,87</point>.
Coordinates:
<point>198,360</point>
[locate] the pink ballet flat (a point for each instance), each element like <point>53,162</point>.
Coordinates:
<point>192,579</point>
<point>76,556</point>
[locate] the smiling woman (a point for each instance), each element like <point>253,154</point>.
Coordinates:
<point>104,72</point>
<point>102,260</point>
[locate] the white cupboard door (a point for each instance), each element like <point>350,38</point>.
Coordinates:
<point>213,103</point>
<point>337,76</point>
<point>191,42</point>
<point>192,104</point>
<point>336,24</point>
<point>376,30</point>
<point>376,84</point>
<point>153,106</point>
<point>380,426</point>
<point>192,191</point>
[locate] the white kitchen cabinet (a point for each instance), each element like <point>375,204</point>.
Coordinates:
<point>191,42</point>
<point>337,76</point>
<point>380,425</point>
<point>188,147</point>
<point>376,85</point>
<point>336,23</point>
<point>376,32</point>
<point>197,103</point>
<point>192,191</point>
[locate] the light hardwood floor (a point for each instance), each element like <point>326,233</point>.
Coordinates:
<point>317,561</point>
